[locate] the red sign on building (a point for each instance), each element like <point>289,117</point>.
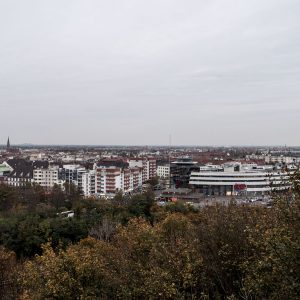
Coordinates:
<point>240,187</point>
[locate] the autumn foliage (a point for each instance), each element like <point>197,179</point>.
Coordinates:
<point>137,250</point>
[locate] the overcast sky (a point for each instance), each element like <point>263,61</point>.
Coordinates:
<point>208,72</point>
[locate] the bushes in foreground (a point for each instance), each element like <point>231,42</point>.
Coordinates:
<point>234,252</point>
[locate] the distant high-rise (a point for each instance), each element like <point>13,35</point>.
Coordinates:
<point>8,144</point>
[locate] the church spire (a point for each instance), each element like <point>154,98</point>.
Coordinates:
<point>8,144</point>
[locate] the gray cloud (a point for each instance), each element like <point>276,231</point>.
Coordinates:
<point>131,72</point>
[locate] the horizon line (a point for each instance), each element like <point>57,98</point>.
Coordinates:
<point>149,145</point>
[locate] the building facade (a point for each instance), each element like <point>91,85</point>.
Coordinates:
<point>47,178</point>
<point>89,183</point>
<point>147,164</point>
<point>22,171</point>
<point>237,178</point>
<point>111,180</point>
<point>181,170</point>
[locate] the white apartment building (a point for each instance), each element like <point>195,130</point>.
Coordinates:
<point>36,156</point>
<point>110,180</point>
<point>73,174</point>
<point>47,177</point>
<point>131,179</point>
<point>269,159</point>
<point>163,171</point>
<point>147,164</point>
<point>88,183</point>
<point>18,181</point>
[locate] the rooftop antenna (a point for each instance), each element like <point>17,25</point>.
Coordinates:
<point>169,152</point>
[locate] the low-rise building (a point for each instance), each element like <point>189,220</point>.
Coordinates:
<point>281,159</point>
<point>22,171</point>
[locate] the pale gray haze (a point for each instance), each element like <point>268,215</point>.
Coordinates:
<point>216,72</point>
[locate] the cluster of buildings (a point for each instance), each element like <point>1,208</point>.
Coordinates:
<point>269,158</point>
<point>92,173</point>
<point>106,171</point>
<point>104,178</point>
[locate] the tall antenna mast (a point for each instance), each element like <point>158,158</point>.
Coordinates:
<point>169,153</point>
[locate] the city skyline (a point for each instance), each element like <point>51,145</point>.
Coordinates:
<point>132,73</point>
<point>27,144</point>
